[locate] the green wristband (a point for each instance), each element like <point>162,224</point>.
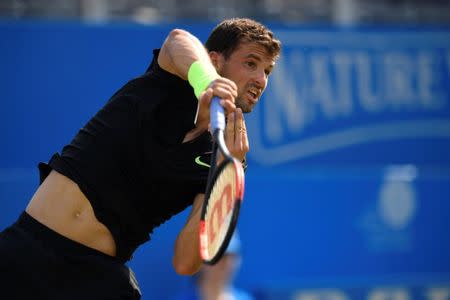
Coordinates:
<point>200,75</point>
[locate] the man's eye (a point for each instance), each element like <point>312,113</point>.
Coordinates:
<point>251,64</point>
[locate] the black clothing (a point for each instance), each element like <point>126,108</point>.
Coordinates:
<point>129,159</point>
<point>38,263</point>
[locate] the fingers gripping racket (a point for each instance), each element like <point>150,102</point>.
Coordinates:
<point>223,196</point>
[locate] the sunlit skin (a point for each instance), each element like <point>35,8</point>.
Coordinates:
<point>249,66</point>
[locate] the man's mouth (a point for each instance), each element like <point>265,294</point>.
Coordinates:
<point>253,94</point>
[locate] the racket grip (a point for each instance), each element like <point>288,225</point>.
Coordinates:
<point>217,115</point>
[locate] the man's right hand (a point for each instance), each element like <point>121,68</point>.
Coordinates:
<point>223,88</point>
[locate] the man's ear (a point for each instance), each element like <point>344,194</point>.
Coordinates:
<point>216,59</point>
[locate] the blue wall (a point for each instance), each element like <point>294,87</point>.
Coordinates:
<point>349,178</point>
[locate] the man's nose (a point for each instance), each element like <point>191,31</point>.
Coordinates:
<point>261,78</point>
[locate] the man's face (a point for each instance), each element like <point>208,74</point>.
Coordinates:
<point>249,67</point>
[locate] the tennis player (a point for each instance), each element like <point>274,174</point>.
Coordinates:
<point>140,160</point>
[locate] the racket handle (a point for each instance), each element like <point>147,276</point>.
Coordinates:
<point>217,115</point>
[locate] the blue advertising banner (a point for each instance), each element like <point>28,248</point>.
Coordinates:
<point>380,292</point>
<point>356,96</point>
<point>350,149</point>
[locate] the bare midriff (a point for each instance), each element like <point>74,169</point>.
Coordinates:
<point>60,205</point>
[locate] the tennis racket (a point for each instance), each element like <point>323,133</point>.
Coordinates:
<point>223,196</point>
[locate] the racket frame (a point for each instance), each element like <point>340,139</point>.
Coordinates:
<point>218,127</point>
<point>237,199</point>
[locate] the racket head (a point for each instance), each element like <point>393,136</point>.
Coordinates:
<point>220,210</point>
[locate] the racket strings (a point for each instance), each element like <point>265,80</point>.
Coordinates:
<point>220,209</point>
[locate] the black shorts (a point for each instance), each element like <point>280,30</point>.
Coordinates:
<point>38,263</point>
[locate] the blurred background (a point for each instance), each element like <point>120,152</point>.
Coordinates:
<point>348,186</point>
<point>286,11</point>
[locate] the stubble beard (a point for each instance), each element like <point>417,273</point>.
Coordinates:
<point>243,105</point>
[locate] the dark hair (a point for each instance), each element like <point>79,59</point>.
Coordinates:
<point>229,34</point>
